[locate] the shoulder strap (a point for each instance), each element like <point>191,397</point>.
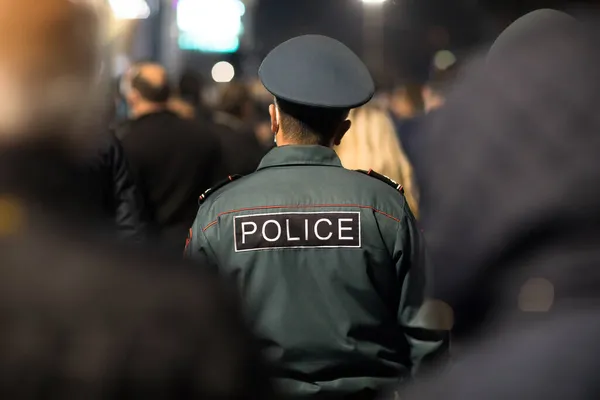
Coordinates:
<point>383,179</point>
<point>205,195</point>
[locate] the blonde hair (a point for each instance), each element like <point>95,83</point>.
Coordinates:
<point>372,143</point>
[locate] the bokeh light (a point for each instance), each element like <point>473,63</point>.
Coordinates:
<point>130,9</point>
<point>444,59</point>
<point>210,26</point>
<point>223,72</point>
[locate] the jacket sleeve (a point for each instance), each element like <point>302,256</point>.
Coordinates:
<point>130,212</point>
<point>197,247</point>
<point>422,321</point>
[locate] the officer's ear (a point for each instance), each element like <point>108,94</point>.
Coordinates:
<point>344,127</point>
<point>274,119</point>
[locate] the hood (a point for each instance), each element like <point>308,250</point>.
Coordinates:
<point>511,177</point>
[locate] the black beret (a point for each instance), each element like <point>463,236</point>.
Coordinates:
<point>317,71</point>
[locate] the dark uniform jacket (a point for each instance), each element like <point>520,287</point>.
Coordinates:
<point>173,160</point>
<point>331,267</point>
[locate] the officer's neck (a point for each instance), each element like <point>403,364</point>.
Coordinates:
<point>283,140</point>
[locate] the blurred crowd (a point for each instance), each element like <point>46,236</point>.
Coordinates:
<point>209,141</point>
<point>497,161</point>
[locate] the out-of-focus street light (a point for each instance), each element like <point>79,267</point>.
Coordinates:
<point>444,59</point>
<point>374,34</point>
<point>130,9</point>
<point>223,72</point>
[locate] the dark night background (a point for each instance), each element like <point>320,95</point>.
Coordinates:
<point>414,29</point>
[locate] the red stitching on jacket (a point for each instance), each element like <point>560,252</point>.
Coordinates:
<point>213,223</point>
<point>188,241</point>
<point>209,225</point>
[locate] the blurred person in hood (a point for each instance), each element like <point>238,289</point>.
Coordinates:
<point>520,134</point>
<point>511,208</point>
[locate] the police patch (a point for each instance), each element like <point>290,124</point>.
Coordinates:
<point>297,230</point>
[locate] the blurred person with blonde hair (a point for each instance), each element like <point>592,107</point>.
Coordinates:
<point>372,144</point>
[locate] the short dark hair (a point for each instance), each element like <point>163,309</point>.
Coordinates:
<point>310,125</point>
<point>154,93</point>
<point>234,98</point>
<point>191,86</point>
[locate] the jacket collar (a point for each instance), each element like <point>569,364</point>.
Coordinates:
<point>153,114</point>
<point>300,155</point>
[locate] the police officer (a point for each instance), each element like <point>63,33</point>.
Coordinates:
<point>329,261</point>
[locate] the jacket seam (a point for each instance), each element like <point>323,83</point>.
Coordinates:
<point>213,223</point>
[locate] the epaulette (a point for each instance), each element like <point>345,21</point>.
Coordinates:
<point>230,178</point>
<point>383,179</point>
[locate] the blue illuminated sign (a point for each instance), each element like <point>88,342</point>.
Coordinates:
<point>213,26</point>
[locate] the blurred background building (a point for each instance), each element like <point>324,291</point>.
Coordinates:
<point>401,40</point>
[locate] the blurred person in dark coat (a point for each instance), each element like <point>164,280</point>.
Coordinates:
<point>51,119</point>
<point>406,104</point>
<point>434,93</point>
<point>81,320</point>
<point>121,194</point>
<point>174,159</point>
<point>121,197</point>
<point>54,151</point>
<point>234,125</point>
<point>511,209</point>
